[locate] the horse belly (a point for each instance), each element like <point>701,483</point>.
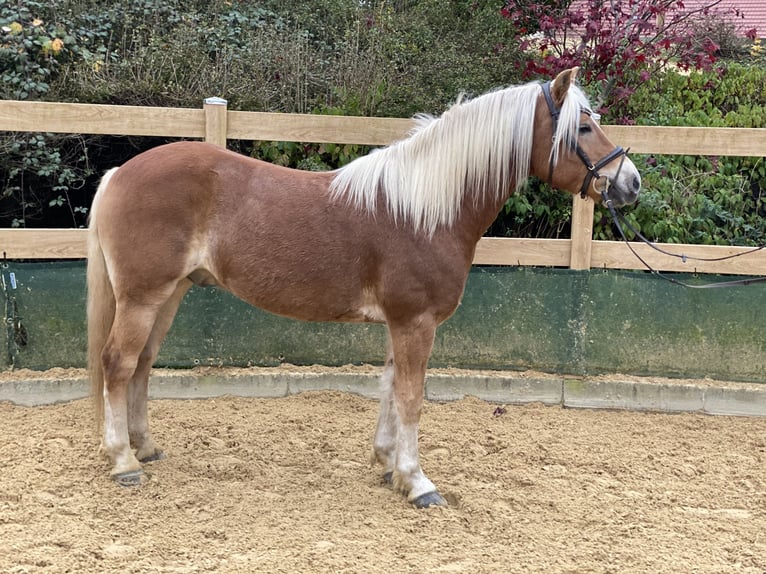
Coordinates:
<point>307,304</point>
<point>307,292</point>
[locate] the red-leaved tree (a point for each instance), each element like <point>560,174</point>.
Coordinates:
<point>616,43</point>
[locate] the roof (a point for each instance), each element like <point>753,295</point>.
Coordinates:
<point>745,14</point>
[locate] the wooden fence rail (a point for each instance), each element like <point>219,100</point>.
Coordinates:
<point>216,124</point>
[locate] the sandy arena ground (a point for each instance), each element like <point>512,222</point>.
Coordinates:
<point>284,485</point>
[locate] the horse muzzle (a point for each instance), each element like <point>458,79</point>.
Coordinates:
<point>623,187</point>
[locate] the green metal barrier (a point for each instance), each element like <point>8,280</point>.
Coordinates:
<point>575,322</point>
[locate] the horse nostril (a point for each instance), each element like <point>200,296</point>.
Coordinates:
<point>636,183</point>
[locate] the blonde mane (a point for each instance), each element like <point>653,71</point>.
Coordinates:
<point>483,144</point>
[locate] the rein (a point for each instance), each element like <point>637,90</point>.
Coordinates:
<point>618,217</point>
<point>593,174</point>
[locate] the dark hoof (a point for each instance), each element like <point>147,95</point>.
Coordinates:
<point>429,499</point>
<point>388,478</point>
<point>158,455</point>
<point>128,479</point>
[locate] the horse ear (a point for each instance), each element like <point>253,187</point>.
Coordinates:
<point>561,85</point>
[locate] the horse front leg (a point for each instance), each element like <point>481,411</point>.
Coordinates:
<point>411,344</point>
<point>384,443</point>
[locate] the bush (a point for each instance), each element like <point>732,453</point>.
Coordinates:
<point>350,58</point>
<point>307,56</point>
<point>39,171</point>
<point>696,200</point>
<point>685,199</point>
<point>716,200</point>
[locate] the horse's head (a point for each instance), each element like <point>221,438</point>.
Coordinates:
<point>571,150</point>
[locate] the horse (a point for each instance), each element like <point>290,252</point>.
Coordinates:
<point>388,238</point>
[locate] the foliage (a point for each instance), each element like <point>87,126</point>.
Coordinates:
<point>28,53</point>
<point>308,56</point>
<point>442,48</point>
<point>310,157</point>
<point>536,211</point>
<point>40,171</point>
<point>618,43</point>
<point>386,58</point>
<point>691,199</point>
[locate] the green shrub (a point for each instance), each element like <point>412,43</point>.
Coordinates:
<point>309,157</point>
<point>40,172</point>
<point>685,199</point>
<point>349,58</point>
<point>716,200</point>
<point>696,200</point>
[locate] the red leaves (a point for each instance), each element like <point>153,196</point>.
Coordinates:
<point>615,42</point>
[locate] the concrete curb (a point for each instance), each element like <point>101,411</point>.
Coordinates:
<point>737,399</point>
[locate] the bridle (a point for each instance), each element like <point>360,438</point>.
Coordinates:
<point>593,175</point>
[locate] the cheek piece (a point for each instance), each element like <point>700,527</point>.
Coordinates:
<point>593,175</point>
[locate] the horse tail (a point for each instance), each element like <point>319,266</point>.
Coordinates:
<point>101,304</point>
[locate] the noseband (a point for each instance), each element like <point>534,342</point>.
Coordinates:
<point>593,174</point>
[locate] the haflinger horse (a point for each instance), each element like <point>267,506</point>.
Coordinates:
<point>389,238</point>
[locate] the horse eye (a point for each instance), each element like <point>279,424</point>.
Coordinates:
<point>585,129</point>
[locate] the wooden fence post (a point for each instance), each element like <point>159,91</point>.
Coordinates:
<point>215,121</point>
<point>582,232</point>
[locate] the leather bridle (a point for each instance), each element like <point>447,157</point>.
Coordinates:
<point>593,174</point>
<point>617,217</point>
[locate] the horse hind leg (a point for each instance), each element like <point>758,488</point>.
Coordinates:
<point>132,327</point>
<point>138,391</point>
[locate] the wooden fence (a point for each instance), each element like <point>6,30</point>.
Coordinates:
<point>215,123</point>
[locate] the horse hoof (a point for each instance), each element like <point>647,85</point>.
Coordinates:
<point>157,455</point>
<point>429,499</point>
<point>388,478</point>
<point>128,479</point>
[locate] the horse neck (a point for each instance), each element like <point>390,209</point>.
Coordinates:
<point>479,210</point>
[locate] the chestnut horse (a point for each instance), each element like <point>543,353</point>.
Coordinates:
<point>388,238</point>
